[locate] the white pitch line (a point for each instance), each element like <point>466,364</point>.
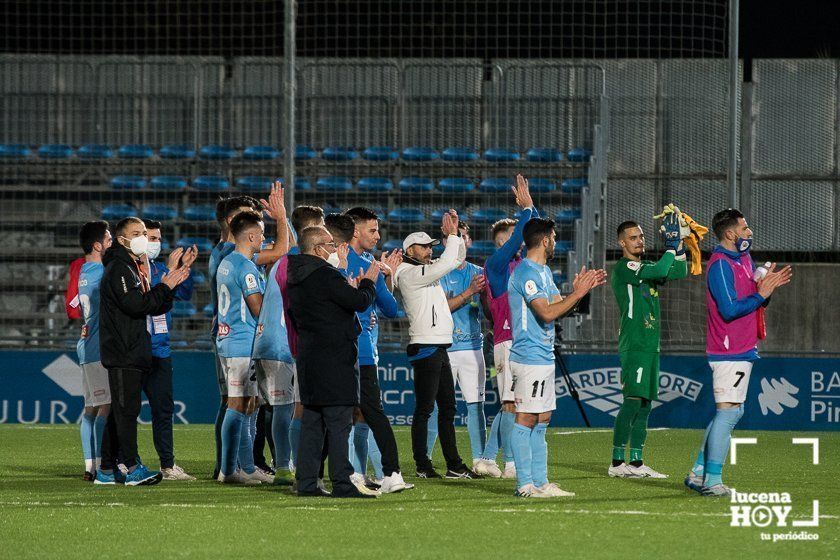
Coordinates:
<point>583,431</point>
<point>630,512</point>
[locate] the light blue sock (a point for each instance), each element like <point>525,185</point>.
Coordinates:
<point>375,457</point>
<point>717,445</point>
<point>539,455</point>
<point>86,433</point>
<point>294,438</point>
<point>520,441</point>
<point>432,432</point>
<point>281,417</point>
<point>699,467</point>
<point>246,445</point>
<point>476,428</point>
<point>491,448</point>
<point>505,429</point>
<point>231,434</point>
<point>98,434</point>
<point>359,447</point>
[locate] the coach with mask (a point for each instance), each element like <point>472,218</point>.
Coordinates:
<point>323,307</point>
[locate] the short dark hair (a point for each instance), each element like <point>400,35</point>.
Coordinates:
<point>221,209</point>
<point>724,220</point>
<point>535,230</point>
<point>361,214</point>
<point>240,201</point>
<point>122,224</point>
<point>340,226</point>
<point>244,220</point>
<point>502,225</point>
<point>92,232</point>
<point>305,216</point>
<point>310,236</point>
<point>152,224</point>
<point>628,224</point>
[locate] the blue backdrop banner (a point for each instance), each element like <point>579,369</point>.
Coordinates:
<point>784,393</point>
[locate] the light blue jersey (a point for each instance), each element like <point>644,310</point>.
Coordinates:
<point>272,341</point>
<point>533,340</point>
<point>217,255</point>
<point>89,279</point>
<point>467,333</point>
<point>236,279</point>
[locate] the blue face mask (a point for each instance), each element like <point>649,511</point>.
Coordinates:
<point>743,245</point>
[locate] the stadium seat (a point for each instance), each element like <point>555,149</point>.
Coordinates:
<point>375,184</point>
<point>208,310</point>
<point>159,212</point>
<point>304,153</point>
<point>416,184</point>
<point>217,152</point>
<point>334,184</point>
<point>420,153</point>
<point>483,248</point>
<point>559,278</point>
<point>179,343</point>
<point>302,184</point>
<point>563,246</point>
<point>539,185</point>
<point>501,155</point>
<point>118,211</point>
<point>578,155</point>
<point>459,154</point>
<point>200,213</point>
<point>169,182</point>
<point>164,245</point>
<point>329,208</point>
<point>567,216</point>
<point>95,151</point>
<point>488,215</point>
<point>128,182</point>
<point>406,216</point>
<point>203,244</point>
<point>177,151</point>
<point>183,309</point>
<point>14,151</point>
<point>55,151</point>
<point>456,185</point>
<point>211,183</point>
<point>495,185</point>
<point>392,244</point>
<point>572,186</point>
<point>380,153</point>
<point>437,215</point>
<point>260,153</point>
<point>251,183</point>
<point>544,155</point>
<point>339,153</point>
<point>135,151</point>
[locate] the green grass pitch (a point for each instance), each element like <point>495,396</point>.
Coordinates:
<point>46,510</point>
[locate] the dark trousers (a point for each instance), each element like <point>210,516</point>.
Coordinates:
<point>371,407</point>
<point>334,423</point>
<point>263,436</point>
<point>433,383</point>
<point>125,407</point>
<point>157,384</point>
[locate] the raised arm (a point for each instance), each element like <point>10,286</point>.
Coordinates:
<point>679,269</point>
<point>660,269</point>
<point>275,208</point>
<point>476,286</point>
<point>584,282</point>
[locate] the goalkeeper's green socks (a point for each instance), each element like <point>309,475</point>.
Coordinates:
<point>623,425</point>
<point>638,433</point>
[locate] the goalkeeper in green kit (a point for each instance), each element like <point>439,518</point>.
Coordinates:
<point>635,283</point>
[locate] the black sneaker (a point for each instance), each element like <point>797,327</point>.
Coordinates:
<point>88,476</point>
<point>427,472</point>
<point>461,472</point>
<point>264,467</point>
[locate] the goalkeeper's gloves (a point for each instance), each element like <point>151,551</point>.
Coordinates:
<point>671,231</point>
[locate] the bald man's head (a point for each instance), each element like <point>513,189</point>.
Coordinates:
<point>311,237</point>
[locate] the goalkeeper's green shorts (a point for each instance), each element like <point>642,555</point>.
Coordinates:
<point>640,374</point>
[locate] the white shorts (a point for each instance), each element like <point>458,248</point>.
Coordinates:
<point>730,381</point>
<point>533,388</point>
<point>220,374</point>
<point>240,376</point>
<point>470,373</point>
<point>95,385</point>
<point>276,381</point>
<point>501,361</point>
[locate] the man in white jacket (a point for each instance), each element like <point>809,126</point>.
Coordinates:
<point>430,332</point>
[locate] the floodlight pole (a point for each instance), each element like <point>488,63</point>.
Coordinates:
<point>734,105</point>
<point>289,87</point>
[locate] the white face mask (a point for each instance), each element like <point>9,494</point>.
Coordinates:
<point>138,245</point>
<point>153,249</point>
<point>334,260</point>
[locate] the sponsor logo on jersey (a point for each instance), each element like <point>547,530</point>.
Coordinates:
<point>85,331</point>
<point>530,287</point>
<point>634,265</point>
<point>224,330</point>
<point>250,281</point>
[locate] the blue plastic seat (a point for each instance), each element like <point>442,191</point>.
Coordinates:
<point>302,184</point>
<point>177,151</point>
<point>416,184</point>
<point>211,183</point>
<point>380,153</point>
<point>488,215</point>
<point>545,155</point>
<point>483,248</point>
<point>203,244</point>
<point>252,183</point>
<point>501,155</point>
<point>135,151</point>
<point>459,154</point>
<point>437,215</point>
<point>164,245</point>
<point>55,151</point>
<point>420,153</point>
<point>304,153</point>
<point>406,215</point>
<point>197,276</point>
<point>14,150</point>
<point>456,185</point>
<point>578,155</point>
<point>203,345</point>
<point>496,185</point>
<point>159,212</point>
<point>334,184</point>
<point>567,216</point>
<point>375,184</point>
<point>563,246</point>
<point>95,151</point>
<point>200,213</point>
<point>118,211</point>
<point>339,153</point>
<point>539,185</point>
<point>208,310</point>
<point>560,278</point>
<point>128,182</point>
<point>169,182</point>
<point>392,244</point>
<point>260,153</point>
<point>329,209</point>
<point>217,152</point>
<point>574,185</point>
<point>183,309</point>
